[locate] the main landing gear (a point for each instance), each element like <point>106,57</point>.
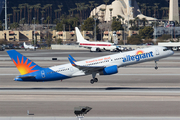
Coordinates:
<point>94,79</point>
<point>156,67</point>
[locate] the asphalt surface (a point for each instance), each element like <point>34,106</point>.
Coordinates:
<point>136,91</point>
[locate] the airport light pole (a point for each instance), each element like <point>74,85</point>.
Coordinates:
<point>174,30</point>
<point>124,33</point>
<point>95,18</point>
<point>64,26</point>
<point>3,25</point>
<point>5,14</point>
<point>101,32</point>
<point>34,18</point>
<point>42,20</point>
<point>23,21</point>
<point>155,32</point>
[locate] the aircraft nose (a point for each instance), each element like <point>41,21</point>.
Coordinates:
<point>171,52</point>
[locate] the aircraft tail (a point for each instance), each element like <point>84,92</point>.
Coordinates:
<point>24,44</point>
<point>79,36</point>
<point>23,64</point>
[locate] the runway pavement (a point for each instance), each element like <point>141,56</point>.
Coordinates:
<point>136,91</point>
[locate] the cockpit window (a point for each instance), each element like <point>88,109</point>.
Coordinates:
<point>165,49</point>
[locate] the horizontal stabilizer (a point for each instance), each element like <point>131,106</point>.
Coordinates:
<point>26,77</point>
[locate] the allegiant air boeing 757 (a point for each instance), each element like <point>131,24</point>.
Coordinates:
<point>105,65</point>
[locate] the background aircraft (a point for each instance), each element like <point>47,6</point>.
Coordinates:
<point>95,46</point>
<point>29,46</point>
<point>105,65</point>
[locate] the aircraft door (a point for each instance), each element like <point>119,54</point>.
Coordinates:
<point>43,74</point>
<point>157,51</point>
<point>71,69</point>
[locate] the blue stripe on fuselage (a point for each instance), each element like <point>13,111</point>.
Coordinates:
<point>44,74</point>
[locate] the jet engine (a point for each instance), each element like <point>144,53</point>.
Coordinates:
<point>109,70</point>
<point>95,49</point>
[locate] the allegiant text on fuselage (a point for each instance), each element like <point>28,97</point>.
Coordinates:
<point>138,57</point>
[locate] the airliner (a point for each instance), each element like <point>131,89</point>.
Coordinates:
<point>105,65</point>
<point>29,47</point>
<point>95,46</point>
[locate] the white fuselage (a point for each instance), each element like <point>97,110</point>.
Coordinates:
<point>29,46</point>
<point>100,45</point>
<point>119,59</point>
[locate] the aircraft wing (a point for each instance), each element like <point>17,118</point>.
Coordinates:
<point>90,69</point>
<point>87,69</point>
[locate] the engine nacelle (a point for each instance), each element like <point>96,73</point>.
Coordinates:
<point>109,70</point>
<point>95,49</point>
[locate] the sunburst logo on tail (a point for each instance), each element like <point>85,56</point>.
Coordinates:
<point>24,67</point>
<point>139,52</point>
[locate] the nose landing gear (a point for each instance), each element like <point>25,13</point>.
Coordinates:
<point>156,67</point>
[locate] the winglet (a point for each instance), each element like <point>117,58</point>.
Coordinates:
<point>72,62</point>
<point>72,58</point>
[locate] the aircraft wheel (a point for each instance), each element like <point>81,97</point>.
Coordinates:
<point>119,50</point>
<point>156,67</point>
<point>95,80</point>
<point>91,81</point>
<point>98,50</point>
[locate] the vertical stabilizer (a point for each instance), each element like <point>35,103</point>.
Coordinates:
<point>24,44</point>
<point>79,36</point>
<point>23,64</point>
